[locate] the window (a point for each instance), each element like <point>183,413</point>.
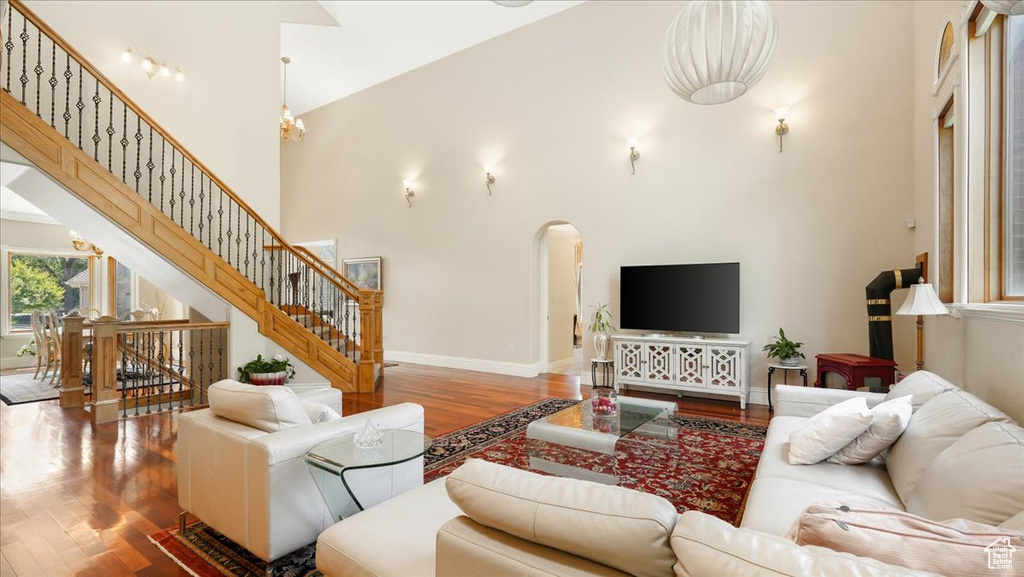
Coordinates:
<point>1013,203</point>
<point>122,283</point>
<point>946,204</point>
<point>45,281</point>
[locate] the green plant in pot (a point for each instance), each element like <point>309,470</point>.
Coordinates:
<point>275,371</point>
<point>600,323</point>
<point>787,351</point>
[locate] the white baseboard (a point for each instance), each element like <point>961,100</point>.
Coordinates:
<point>499,367</point>
<point>756,397</point>
<point>561,365</point>
<point>17,362</point>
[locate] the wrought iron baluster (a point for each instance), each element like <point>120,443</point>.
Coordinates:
<point>174,172</point>
<point>80,105</point>
<point>263,258</point>
<point>123,377</point>
<point>24,59</point>
<point>124,143</point>
<point>96,100</point>
<point>229,227</point>
<point>209,217</point>
<point>38,68</point>
<point>181,363</point>
<point>161,360</point>
<point>202,197</point>
<point>163,179</point>
<point>68,75</point>
<point>9,46</point>
<point>150,166</point>
<point>139,374</point>
<point>197,379</point>
<point>192,200</point>
<point>181,193</point>
<point>138,151</point>
<point>238,240</point>
<point>220,223</point>
<point>53,80</point>
<point>110,135</point>
<point>246,242</point>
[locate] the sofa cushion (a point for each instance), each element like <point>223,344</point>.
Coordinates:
<point>828,431</point>
<point>889,420</point>
<point>624,529</point>
<point>979,477</point>
<point>921,387</point>
<point>870,479</point>
<point>933,428</point>
<point>774,504</point>
<point>268,409</point>
<point>319,412</point>
<point>466,548</point>
<point>705,545</point>
<point>956,547</point>
<point>396,537</point>
<point>1015,523</point>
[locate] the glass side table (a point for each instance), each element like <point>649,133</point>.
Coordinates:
<point>330,461</point>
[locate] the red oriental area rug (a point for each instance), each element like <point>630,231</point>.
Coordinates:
<point>708,466</point>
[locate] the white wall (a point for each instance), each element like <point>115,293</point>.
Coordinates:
<point>561,242</point>
<point>982,355</point>
<point>226,112</point>
<point>551,105</point>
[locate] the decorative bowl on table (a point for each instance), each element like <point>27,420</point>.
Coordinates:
<point>603,402</point>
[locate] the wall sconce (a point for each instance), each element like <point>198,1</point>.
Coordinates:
<point>409,192</point>
<point>489,179</point>
<point>634,154</point>
<point>151,68</point>
<point>781,128</point>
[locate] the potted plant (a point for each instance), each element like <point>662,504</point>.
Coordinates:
<point>600,322</point>
<point>28,348</point>
<point>274,371</point>
<point>787,351</point>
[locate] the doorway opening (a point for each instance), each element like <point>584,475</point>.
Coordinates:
<point>561,319</point>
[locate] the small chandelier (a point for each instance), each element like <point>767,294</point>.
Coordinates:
<point>292,128</point>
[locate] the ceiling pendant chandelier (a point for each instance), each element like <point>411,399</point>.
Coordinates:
<point>1008,7</point>
<point>716,51</point>
<point>292,129</point>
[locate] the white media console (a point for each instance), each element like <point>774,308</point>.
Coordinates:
<point>684,364</point>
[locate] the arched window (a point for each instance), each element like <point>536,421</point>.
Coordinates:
<point>945,48</point>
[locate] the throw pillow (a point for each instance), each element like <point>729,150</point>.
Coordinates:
<point>319,412</point>
<point>956,547</point>
<point>267,408</point>
<point>828,431</point>
<point>888,421</point>
<point>578,517</point>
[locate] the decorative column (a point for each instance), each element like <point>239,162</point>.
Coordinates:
<point>72,393</point>
<point>103,401</point>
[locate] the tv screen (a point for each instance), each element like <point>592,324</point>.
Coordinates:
<point>700,298</point>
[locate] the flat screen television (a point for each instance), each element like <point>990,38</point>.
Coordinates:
<point>698,298</point>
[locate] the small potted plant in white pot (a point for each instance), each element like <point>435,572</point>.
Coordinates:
<point>600,322</point>
<point>276,371</point>
<point>787,351</point>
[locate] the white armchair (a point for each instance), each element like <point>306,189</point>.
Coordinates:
<point>253,487</point>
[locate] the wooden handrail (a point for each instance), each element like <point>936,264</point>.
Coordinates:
<point>163,325</point>
<point>86,65</point>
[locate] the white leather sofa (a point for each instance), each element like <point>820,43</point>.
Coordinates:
<point>519,523</point>
<point>241,468</point>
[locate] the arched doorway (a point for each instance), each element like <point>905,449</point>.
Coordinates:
<point>561,314</point>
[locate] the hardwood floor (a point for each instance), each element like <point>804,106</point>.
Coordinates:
<point>81,499</point>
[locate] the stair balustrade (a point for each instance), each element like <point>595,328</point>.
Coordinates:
<point>48,77</point>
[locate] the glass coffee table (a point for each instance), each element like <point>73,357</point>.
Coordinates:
<point>578,443</point>
<point>330,461</point>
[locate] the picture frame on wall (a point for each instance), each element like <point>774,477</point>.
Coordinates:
<point>364,272</point>
<point>326,250</point>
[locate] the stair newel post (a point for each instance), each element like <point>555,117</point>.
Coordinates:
<point>103,402</point>
<point>378,330</point>
<point>367,330</point>
<point>72,394</point>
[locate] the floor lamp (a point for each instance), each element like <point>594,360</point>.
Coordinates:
<point>921,301</point>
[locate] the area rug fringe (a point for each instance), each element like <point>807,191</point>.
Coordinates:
<point>179,562</point>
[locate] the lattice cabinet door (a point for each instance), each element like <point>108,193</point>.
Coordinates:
<point>658,365</point>
<point>725,367</point>
<point>690,362</point>
<point>629,357</point>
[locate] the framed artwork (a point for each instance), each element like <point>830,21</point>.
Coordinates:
<point>327,250</point>
<point>364,272</point>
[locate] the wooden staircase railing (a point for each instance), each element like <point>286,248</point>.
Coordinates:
<point>133,368</point>
<point>71,122</point>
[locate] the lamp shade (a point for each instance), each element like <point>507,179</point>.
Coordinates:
<point>715,51</point>
<point>1009,7</point>
<point>922,300</point>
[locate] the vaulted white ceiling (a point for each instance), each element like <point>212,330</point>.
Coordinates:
<point>377,40</point>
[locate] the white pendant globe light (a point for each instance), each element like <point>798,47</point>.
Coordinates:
<point>1009,7</point>
<point>512,3</point>
<point>715,51</point>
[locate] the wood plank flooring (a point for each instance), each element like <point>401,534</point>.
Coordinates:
<point>81,499</point>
